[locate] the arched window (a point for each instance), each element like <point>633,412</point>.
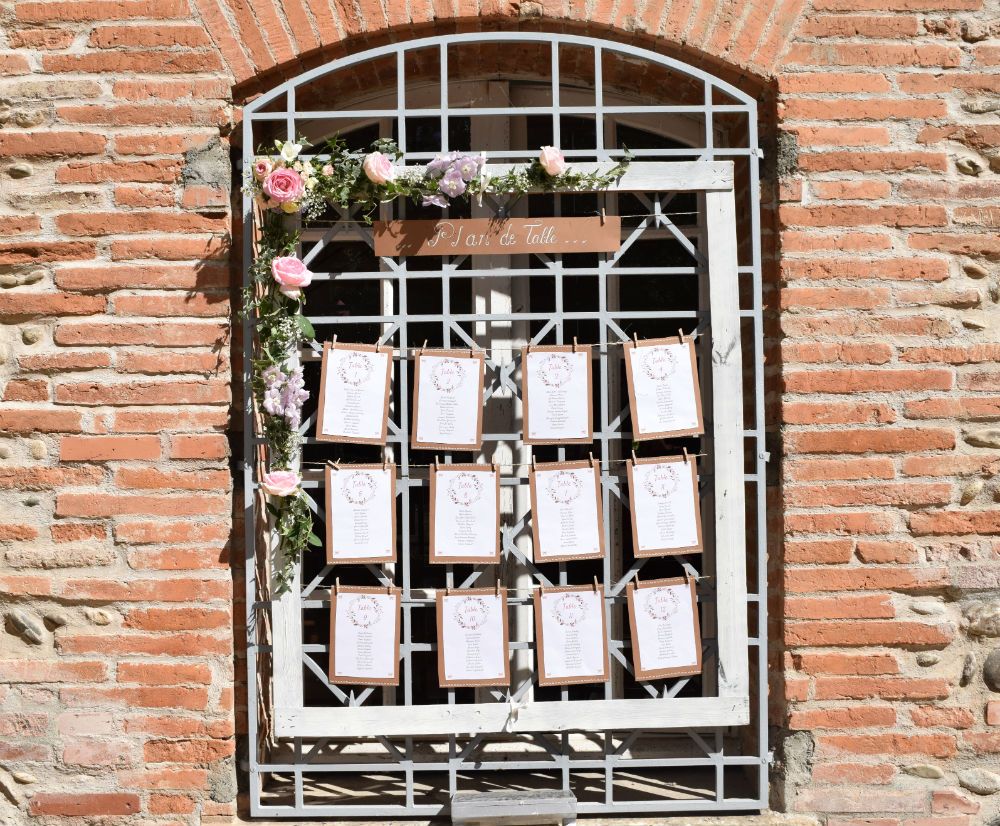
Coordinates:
<point>693,743</point>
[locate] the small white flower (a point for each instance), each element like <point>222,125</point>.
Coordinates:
<point>290,151</point>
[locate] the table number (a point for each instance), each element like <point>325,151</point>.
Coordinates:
<point>473,637</point>
<point>663,392</point>
<point>663,618</point>
<point>448,400</point>
<point>557,394</point>
<point>364,636</point>
<point>570,627</point>
<point>664,506</point>
<point>360,513</point>
<point>354,393</point>
<point>465,513</point>
<point>567,520</point>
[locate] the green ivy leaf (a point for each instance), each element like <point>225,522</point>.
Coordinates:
<point>305,327</point>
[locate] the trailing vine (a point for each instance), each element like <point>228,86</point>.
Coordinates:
<point>284,184</point>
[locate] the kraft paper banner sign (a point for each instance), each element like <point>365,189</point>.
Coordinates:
<point>465,514</point>
<point>448,400</point>
<point>567,511</point>
<point>570,626</point>
<point>663,393</point>
<point>354,393</point>
<point>364,636</point>
<point>473,637</point>
<point>664,506</point>
<point>663,617</point>
<point>495,236</point>
<point>360,513</point>
<point>557,395</point>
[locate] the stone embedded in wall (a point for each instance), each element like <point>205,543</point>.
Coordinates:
<point>991,670</point>
<point>32,334</point>
<point>928,658</point>
<point>974,270</point>
<point>20,170</point>
<point>927,608</point>
<point>98,616</point>
<point>968,669</point>
<point>925,770</point>
<point>26,626</point>
<point>969,166</point>
<point>971,491</point>
<point>57,619</point>
<point>979,781</point>
<point>983,437</point>
<point>983,619</point>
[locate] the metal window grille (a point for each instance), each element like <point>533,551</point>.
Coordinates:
<point>688,744</point>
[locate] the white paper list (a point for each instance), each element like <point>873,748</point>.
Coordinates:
<point>466,522</point>
<point>664,388</point>
<point>360,511</point>
<point>365,636</point>
<point>354,401</point>
<point>663,498</point>
<point>567,519</point>
<point>572,635</point>
<point>472,637</point>
<point>664,625</point>
<point>449,401</point>
<point>558,395</point>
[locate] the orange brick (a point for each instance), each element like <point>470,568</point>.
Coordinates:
<point>936,745</point>
<point>929,716</point>
<point>896,633</point>
<point>178,619</point>
<point>865,773</point>
<point>199,446</point>
<point>81,804</point>
<point>851,190</point>
<point>109,448</point>
<point>807,580</point>
<point>846,607</point>
<point>844,663</point>
<point>836,718</point>
<point>824,551</point>
<point>903,440</point>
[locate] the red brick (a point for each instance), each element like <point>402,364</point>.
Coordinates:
<point>50,144</point>
<point>155,533</point>
<point>109,448</point>
<point>140,276</point>
<point>155,479</point>
<point>150,61</point>
<point>929,716</point>
<point>936,745</point>
<point>179,726</point>
<point>993,713</point>
<point>967,408</point>
<point>178,559</point>
<point>180,334</point>
<point>81,804</point>
<point>872,161</point>
<point>899,494</point>
<point>943,522</point>
<point>151,421</point>
<point>36,671</point>
<point>154,673</point>
<point>824,551</point>
<point>186,361</point>
<point>841,718</point>
<point>177,248</point>
<point>806,580</point>
<point>873,552</point>
<point>40,38</point>
<point>865,773</point>
<point>882,26</point>
<point>165,778</point>
<point>187,751</point>
<point>863,54</point>
<point>902,440</point>
<point>143,393</point>
<point>23,725</point>
<point>19,224</point>
<point>815,352</point>
<point>154,171</point>
<point>836,413</point>
<point>881,269</point>
<point>118,504</point>
<point>793,241</point>
<point>833,298</point>
<point>895,633</point>
<point>804,470</point>
<point>178,619</point>
<point>867,109</point>
<point>26,390</point>
<point>163,804</point>
<point>93,752</point>
<point>115,37</point>
<point>840,523</point>
<point>952,801</point>
<point>883,688</point>
<point>842,607</point>
<point>47,478</point>
<point>40,421</point>
<point>183,697</point>
<point>867,381</point>
<point>64,362</point>
<point>84,11</point>
<point>200,446</point>
<point>32,305</point>
<point>847,664</point>
<point>146,590</point>
<point>984,742</point>
<point>98,223</point>
<point>77,531</point>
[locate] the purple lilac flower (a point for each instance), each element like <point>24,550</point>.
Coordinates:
<point>452,184</point>
<point>467,166</point>
<point>437,199</point>
<point>284,394</point>
<point>437,167</point>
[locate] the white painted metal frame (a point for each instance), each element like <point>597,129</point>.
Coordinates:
<point>713,179</point>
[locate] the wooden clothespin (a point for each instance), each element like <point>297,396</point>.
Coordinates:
<point>447,590</point>
<point>498,587</point>
<point>635,339</point>
<point>604,215</point>
<point>534,467</point>
<point>592,462</point>
<point>596,585</point>
<point>574,344</point>
<point>336,586</point>
<point>685,455</point>
<point>471,354</point>
<point>680,336</point>
<point>423,346</point>
<point>336,464</point>
<point>388,589</point>
<point>385,464</point>
<point>635,460</point>
<point>434,466</point>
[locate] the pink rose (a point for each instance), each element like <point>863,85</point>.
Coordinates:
<point>291,274</point>
<point>378,168</point>
<point>280,482</point>
<point>327,170</point>
<point>552,161</point>
<point>262,168</point>
<point>284,185</point>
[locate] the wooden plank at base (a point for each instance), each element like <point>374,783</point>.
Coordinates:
<point>474,718</point>
<point>521,806</point>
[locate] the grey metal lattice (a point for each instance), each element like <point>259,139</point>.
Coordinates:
<point>609,770</point>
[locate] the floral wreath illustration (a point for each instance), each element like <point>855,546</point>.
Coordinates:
<point>569,610</point>
<point>355,368</point>
<point>555,370</point>
<point>447,375</point>
<point>661,603</point>
<point>359,487</point>
<point>660,481</point>
<point>283,183</point>
<point>471,613</point>
<point>465,488</point>
<point>660,363</point>
<point>364,611</point>
<point>564,487</point>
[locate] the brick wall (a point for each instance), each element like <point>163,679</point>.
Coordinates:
<point>117,651</point>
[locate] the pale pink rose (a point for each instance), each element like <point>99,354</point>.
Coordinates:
<point>378,168</point>
<point>284,185</point>
<point>327,170</point>
<point>291,274</point>
<point>552,161</point>
<point>262,167</point>
<point>280,482</point>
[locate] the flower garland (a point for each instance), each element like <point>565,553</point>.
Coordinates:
<point>286,184</point>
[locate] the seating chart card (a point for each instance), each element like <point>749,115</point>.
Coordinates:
<point>448,400</point>
<point>663,393</point>
<point>570,627</point>
<point>364,636</point>
<point>465,513</point>
<point>354,393</point>
<point>567,520</point>
<point>557,395</point>
<point>664,506</point>
<point>473,637</point>
<point>360,513</point>
<point>663,616</point>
